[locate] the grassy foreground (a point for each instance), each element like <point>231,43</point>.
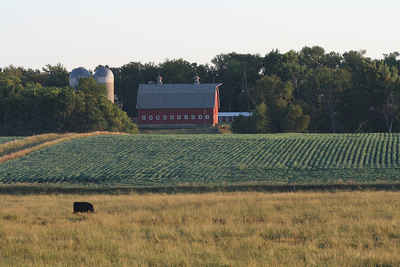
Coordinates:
<point>231,229</point>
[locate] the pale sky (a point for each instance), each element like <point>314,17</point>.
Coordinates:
<point>115,32</point>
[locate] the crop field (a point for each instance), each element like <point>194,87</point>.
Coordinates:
<point>15,144</point>
<point>148,160</point>
<point>5,139</point>
<point>218,229</point>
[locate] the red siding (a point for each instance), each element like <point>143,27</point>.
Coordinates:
<point>216,106</point>
<point>171,116</point>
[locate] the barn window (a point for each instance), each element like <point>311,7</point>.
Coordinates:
<point>178,117</point>
<point>164,117</point>
<point>143,117</point>
<point>200,117</point>
<point>171,117</point>
<point>151,117</point>
<point>186,116</point>
<point>207,117</point>
<point>158,117</point>
<point>193,117</point>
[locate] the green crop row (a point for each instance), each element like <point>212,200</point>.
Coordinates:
<point>180,159</point>
<point>5,139</point>
<point>20,143</point>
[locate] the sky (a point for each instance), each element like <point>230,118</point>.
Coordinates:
<point>115,32</point>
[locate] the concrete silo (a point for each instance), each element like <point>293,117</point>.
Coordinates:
<point>76,74</point>
<point>105,76</point>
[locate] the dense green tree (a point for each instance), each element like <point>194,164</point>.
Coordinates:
<point>277,95</point>
<point>9,84</point>
<point>238,73</point>
<point>312,57</point>
<point>34,109</point>
<point>55,75</point>
<point>283,113</point>
<point>91,87</point>
<point>177,71</point>
<point>387,92</point>
<point>262,121</point>
<point>295,120</point>
<point>391,59</point>
<point>326,87</point>
<point>359,100</point>
<point>244,125</point>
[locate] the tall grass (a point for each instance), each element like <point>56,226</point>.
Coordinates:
<point>231,229</point>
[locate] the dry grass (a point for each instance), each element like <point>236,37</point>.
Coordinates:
<point>19,148</point>
<point>18,144</point>
<point>231,229</point>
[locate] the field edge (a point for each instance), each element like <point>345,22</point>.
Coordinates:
<point>27,189</point>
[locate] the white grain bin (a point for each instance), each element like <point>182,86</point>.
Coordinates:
<point>105,76</point>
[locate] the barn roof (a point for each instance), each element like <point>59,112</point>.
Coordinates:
<point>158,96</point>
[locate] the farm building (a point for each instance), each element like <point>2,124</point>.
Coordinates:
<point>103,75</point>
<point>228,117</point>
<point>177,105</point>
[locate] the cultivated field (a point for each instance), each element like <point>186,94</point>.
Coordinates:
<point>5,139</point>
<point>14,144</point>
<point>148,160</point>
<point>241,229</point>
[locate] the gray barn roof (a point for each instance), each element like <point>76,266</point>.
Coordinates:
<point>159,96</point>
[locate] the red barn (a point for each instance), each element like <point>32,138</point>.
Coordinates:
<point>182,105</point>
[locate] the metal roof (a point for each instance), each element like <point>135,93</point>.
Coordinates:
<point>158,96</point>
<point>76,74</point>
<point>79,72</point>
<point>234,114</point>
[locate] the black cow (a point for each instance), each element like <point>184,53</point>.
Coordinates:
<point>83,207</point>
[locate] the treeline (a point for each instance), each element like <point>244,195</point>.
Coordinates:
<point>310,90</point>
<point>315,91</point>
<point>27,107</point>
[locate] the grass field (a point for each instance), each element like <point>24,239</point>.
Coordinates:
<point>241,229</point>
<point>153,160</point>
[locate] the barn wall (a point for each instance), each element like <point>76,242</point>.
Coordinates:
<point>171,116</point>
<point>216,107</point>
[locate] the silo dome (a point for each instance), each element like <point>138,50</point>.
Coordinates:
<point>76,74</point>
<point>105,76</point>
